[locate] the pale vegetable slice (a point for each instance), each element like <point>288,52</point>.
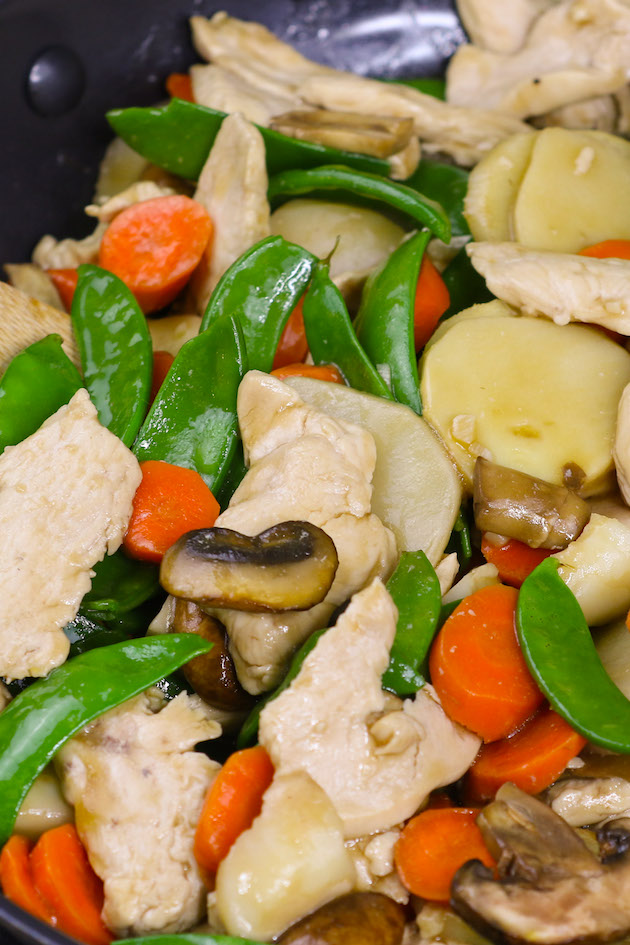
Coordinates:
<point>596,567</point>
<point>494,309</point>
<point>173,331</point>
<point>44,807</point>
<point>482,576</point>
<point>527,394</point>
<point>613,646</point>
<point>416,490</point>
<point>291,861</point>
<point>493,187</point>
<point>621,448</point>
<point>576,191</point>
<point>121,166</point>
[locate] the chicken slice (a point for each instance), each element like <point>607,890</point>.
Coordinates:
<point>561,286</point>
<point>599,114</point>
<point>253,53</point>
<point>233,189</point>
<point>135,193</point>
<point>304,466</point>
<point>377,763</point>
<point>51,253</point>
<point>497,25</point>
<point>138,789</point>
<point>26,320</point>
<point>576,50</point>
<point>65,500</point>
<point>33,281</point>
<point>218,88</point>
<point>585,801</point>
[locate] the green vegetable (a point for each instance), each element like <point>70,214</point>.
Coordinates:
<point>120,584</point>
<point>233,477</point>
<point>36,723</point>
<point>465,286</point>
<point>415,590</point>
<point>460,541</point>
<point>192,421</point>
<point>331,337</point>
<point>559,650</point>
<point>115,348</point>
<point>189,939</point>
<point>447,184</point>
<point>399,197</point>
<point>249,729</point>
<point>36,383</point>
<point>434,87</point>
<point>263,287</point>
<point>85,633</point>
<point>384,324</point>
<point>179,136</point>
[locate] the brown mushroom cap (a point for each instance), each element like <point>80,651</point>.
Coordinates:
<point>360,918</point>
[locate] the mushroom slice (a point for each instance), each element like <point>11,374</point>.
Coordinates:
<point>289,566</point>
<point>551,888</point>
<point>379,135</point>
<point>513,503</point>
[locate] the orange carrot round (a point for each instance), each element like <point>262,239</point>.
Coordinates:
<point>433,846</point>
<point>531,758</point>
<point>169,502</point>
<point>155,245</point>
<point>162,362</point>
<point>16,878</point>
<point>620,249</point>
<point>179,85</point>
<point>293,346</point>
<point>514,560</point>
<point>65,282</point>
<point>477,666</point>
<point>63,875</point>
<point>432,300</point>
<point>231,805</point>
<point>321,372</point>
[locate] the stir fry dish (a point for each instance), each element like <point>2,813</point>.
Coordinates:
<point>315,483</point>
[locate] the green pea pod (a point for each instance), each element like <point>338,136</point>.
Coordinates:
<point>559,650</point>
<point>447,184</point>
<point>36,383</point>
<point>36,723</point>
<point>384,324</point>
<point>120,584</point>
<point>233,477</point>
<point>85,633</point>
<point>415,589</point>
<point>465,286</point>
<point>115,348</point>
<point>249,729</point>
<point>191,938</point>
<point>264,285</point>
<point>192,421</point>
<point>399,197</point>
<point>436,88</point>
<point>179,136</point>
<point>332,339</point>
<point>460,541</point>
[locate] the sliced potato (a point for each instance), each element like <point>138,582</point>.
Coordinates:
<point>44,807</point>
<point>173,331</point>
<point>528,394</point>
<point>482,576</point>
<point>576,191</point>
<point>493,187</point>
<point>416,490</point>
<point>494,309</point>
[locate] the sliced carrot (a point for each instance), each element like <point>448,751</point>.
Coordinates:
<point>63,875</point>
<point>16,877</point>
<point>477,666</point>
<point>179,85</point>
<point>231,805</point>
<point>514,560</point>
<point>433,846</point>
<point>321,372</point>
<point>65,281</point>
<point>293,346</point>
<point>432,300</point>
<point>619,249</point>
<point>155,245</point>
<point>162,362</point>
<point>531,759</point>
<point>169,501</point>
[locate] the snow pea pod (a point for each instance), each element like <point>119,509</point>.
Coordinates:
<point>399,197</point>
<point>384,324</point>
<point>331,337</point>
<point>264,285</point>
<point>179,136</point>
<point>447,184</point>
<point>192,421</point>
<point>415,590</point>
<point>120,584</point>
<point>465,286</point>
<point>115,348</point>
<point>36,723</point>
<point>36,383</point>
<point>562,658</point>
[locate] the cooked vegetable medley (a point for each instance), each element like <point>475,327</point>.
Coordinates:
<point>315,486</point>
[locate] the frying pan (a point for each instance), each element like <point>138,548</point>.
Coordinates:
<point>63,63</point>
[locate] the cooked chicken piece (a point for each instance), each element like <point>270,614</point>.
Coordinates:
<point>378,135</point>
<point>377,758</point>
<point>65,500</point>
<point>233,189</point>
<point>218,88</point>
<point>584,801</point>
<point>304,466</point>
<point>26,320</point>
<point>138,788</point>
<point>373,859</point>
<point>68,254</point>
<point>576,50</point>
<point>599,113</point>
<point>622,102</point>
<point>497,25</point>
<point>135,193</point>
<point>34,282</point>
<point>561,286</point>
<point>251,52</point>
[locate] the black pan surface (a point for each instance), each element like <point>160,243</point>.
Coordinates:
<point>63,63</point>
